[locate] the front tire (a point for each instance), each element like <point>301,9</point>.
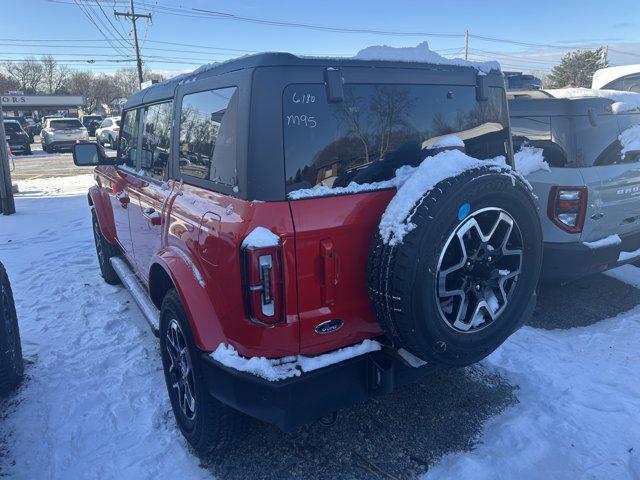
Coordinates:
<point>206,423</point>
<point>105,252</point>
<point>11,364</point>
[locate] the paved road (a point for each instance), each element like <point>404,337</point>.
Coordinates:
<point>41,164</point>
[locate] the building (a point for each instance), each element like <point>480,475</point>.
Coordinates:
<point>625,77</point>
<point>16,104</point>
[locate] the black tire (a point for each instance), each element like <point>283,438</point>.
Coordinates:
<point>112,143</point>
<point>399,275</point>
<point>11,364</point>
<point>45,148</point>
<point>211,424</point>
<point>105,252</point>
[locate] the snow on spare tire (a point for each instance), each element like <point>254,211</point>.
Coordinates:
<point>454,264</point>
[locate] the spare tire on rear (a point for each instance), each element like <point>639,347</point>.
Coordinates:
<point>464,276</point>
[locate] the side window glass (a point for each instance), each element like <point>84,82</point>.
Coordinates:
<point>128,145</point>
<point>156,140</point>
<point>536,132</point>
<point>208,135</point>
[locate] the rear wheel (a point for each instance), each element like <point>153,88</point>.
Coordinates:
<point>105,252</point>
<point>464,278</point>
<point>205,422</point>
<point>11,365</point>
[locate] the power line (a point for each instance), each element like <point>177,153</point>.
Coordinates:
<point>80,6</point>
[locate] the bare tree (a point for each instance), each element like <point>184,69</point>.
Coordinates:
<point>28,74</point>
<point>54,75</point>
<point>7,83</point>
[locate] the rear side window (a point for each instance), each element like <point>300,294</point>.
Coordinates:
<point>380,128</point>
<point>106,123</point>
<point>64,124</point>
<point>128,145</point>
<point>156,140</point>
<point>536,132</point>
<point>597,143</point>
<point>208,122</point>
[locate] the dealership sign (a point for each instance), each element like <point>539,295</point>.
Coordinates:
<point>42,100</point>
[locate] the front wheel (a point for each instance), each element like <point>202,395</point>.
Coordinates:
<point>205,422</point>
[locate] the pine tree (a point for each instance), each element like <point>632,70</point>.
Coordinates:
<point>577,68</point>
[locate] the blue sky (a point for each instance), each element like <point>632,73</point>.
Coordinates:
<point>555,23</point>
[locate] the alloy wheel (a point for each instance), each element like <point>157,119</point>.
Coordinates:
<point>478,270</point>
<point>181,369</point>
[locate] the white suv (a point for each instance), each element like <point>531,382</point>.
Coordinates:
<point>62,134</point>
<point>107,132</point>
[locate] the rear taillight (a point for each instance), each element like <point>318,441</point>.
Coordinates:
<point>263,284</point>
<point>567,207</point>
<point>116,129</point>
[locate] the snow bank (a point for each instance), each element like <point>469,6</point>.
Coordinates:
<point>609,241</point>
<point>529,160</point>
<point>577,414</point>
<point>274,369</point>
<point>627,256</point>
<point>623,101</point>
<point>396,220</point>
<point>630,140</point>
<point>420,53</point>
<point>260,237</point>
<point>94,403</point>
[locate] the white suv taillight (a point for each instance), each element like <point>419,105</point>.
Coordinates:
<point>567,207</point>
<point>263,284</point>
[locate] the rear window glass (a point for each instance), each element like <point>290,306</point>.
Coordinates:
<point>12,127</point>
<point>380,128</point>
<point>64,124</point>
<point>208,122</point>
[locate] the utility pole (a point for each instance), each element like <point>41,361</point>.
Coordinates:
<point>134,16</point>
<point>7,205</point>
<point>466,44</point>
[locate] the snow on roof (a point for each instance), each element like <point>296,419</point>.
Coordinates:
<point>447,141</point>
<point>604,76</point>
<point>420,53</point>
<point>623,101</point>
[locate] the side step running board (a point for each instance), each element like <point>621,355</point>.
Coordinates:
<point>138,292</point>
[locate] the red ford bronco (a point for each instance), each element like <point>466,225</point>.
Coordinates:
<point>242,211</point>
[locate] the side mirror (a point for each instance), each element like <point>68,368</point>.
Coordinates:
<point>89,154</point>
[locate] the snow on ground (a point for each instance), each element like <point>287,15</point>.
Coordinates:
<point>94,404</point>
<point>579,398</point>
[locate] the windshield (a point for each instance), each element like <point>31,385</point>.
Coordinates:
<point>64,124</point>
<point>380,128</point>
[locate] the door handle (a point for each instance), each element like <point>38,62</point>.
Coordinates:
<point>123,198</point>
<point>150,214</point>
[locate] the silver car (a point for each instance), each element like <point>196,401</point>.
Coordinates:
<point>589,197</point>
<point>62,133</point>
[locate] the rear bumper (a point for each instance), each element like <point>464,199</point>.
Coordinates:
<point>563,262</point>
<point>62,144</point>
<point>296,401</point>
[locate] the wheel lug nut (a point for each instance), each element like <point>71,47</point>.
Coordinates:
<point>477,287</point>
<point>489,258</point>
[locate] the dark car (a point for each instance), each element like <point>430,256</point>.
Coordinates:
<point>11,366</point>
<point>17,139</point>
<point>248,200</point>
<point>91,122</point>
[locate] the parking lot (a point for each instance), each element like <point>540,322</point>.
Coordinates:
<point>42,165</point>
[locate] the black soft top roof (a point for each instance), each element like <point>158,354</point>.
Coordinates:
<point>540,103</point>
<point>166,89</point>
